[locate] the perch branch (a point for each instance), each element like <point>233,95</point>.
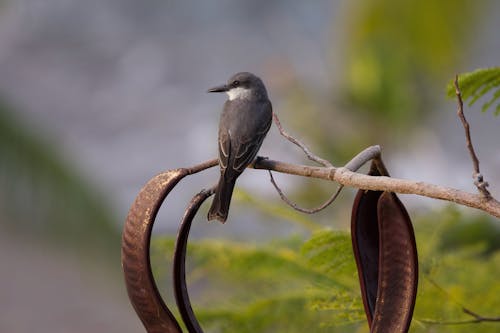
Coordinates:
<point>346,177</point>
<point>349,178</point>
<point>477,176</point>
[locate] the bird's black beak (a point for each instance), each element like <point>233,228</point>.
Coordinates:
<point>222,88</point>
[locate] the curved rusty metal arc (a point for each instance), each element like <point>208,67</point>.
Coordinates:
<point>179,269</point>
<point>141,287</point>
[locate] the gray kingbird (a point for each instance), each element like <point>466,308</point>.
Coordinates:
<point>244,122</point>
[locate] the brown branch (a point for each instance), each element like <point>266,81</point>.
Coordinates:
<point>477,176</point>
<point>353,179</point>
<point>349,178</point>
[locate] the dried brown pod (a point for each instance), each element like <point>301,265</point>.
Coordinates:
<point>179,266</point>
<point>141,287</point>
<point>386,257</point>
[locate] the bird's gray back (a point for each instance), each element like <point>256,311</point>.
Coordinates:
<point>248,119</point>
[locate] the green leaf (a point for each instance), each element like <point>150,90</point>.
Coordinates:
<point>476,84</point>
<point>330,252</point>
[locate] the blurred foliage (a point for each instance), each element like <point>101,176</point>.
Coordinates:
<point>41,196</point>
<point>296,285</point>
<point>478,231</point>
<point>476,84</point>
<point>398,51</point>
<point>276,209</point>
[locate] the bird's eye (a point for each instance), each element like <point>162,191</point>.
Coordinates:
<point>236,83</point>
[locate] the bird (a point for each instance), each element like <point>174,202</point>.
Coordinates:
<point>244,122</point>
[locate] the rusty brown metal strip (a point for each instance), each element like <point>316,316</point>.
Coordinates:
<point>141,286</point>
<point>386,256</point>
<point>139,280</point>
<point>179,271</point>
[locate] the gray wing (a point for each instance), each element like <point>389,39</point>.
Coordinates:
<point>241,135</point>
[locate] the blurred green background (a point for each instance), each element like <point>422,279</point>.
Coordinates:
<point>96,97</point>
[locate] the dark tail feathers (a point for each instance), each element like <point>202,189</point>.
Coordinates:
<point>222,200</point>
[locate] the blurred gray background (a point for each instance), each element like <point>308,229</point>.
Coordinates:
<point>114,91</point>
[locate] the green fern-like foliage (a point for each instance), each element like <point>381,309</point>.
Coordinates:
<point>296,285</point>
<point>283,286</point>
<point>477,84</point>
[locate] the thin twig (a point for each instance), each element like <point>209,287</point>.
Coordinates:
<point>477,176</point>
<point>301,209</point>
<point>313,158</point>
<point>477,318</point>
<point>460,322</point>
<point>370,153</point>
<point>302,146</point>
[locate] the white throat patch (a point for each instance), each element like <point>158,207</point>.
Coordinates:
<point>238,92</point>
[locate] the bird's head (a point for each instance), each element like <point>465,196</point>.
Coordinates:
<point>243,85</point>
